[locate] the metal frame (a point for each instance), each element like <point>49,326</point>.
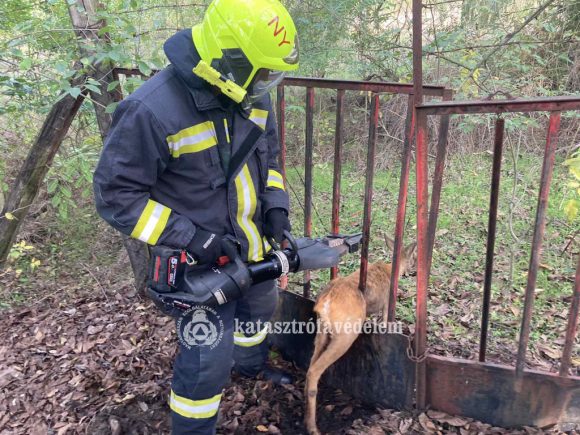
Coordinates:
<point>550,408</point>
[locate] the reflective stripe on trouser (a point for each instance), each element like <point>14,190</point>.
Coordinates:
<point>251,348</point>
<point>200,372</point>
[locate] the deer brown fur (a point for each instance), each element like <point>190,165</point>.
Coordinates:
<point>342,303</point>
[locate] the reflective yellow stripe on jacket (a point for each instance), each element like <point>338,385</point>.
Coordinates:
<point>151,223</point>
<point>259,117</point>
<point>192,139</point>
<point>194,408</point>
<point>275,179</point>
<point>246,209</point>
<point>241,340</point>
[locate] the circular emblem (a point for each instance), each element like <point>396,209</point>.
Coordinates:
<point>200,326</point>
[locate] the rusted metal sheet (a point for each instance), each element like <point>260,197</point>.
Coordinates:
<point>491,226</point>
<point>494,394</point>
<point>540,225</point>
<point>372,145</point>
<point>355,85</point>
<point>543,104</point>
<point>375,370</point>
<point>308,149</point>
<point>337,171</point>
<point>572,327</point>
<point>401,209</point>
<point>297,348</point>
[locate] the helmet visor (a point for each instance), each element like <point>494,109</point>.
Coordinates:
<point>293,57</point>
<point>263,82</point>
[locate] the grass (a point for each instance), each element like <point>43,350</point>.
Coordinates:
<point>456,282</point>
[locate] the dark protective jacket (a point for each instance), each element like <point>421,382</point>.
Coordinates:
<point>160,176</point>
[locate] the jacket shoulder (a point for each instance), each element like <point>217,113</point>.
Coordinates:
<point>164,95</point>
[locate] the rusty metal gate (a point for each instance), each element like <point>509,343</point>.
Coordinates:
<point>378,368</point>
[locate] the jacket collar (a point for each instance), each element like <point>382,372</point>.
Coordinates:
<point>181,52</point>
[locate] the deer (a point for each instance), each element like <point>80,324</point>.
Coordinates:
<point>341,303</point>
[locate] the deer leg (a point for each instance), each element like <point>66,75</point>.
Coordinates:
<point>337,347</point>
<point>320,343</point>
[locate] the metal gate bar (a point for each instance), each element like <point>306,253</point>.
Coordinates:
<point>281,121</point>
<point>491,227</point>
<point>337,169</point>
<point>438,179</point>
<point>372,146</point>
<point>308,149</point>
<point>401,208</point>
<point>539,227</point>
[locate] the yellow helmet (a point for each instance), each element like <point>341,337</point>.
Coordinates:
<point>251,42</point>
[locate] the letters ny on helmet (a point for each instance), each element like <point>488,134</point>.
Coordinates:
<point>252,43</point>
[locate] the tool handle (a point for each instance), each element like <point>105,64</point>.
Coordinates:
<point>287,236</point>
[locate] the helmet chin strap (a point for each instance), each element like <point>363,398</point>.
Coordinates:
<point>225,85</point>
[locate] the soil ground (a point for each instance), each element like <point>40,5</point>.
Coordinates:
<point>82,365</point>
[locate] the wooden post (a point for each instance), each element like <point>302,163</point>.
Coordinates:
<point>34,169</point>
<point>86,27</point>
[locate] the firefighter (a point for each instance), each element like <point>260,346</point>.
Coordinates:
<point>192,157</point>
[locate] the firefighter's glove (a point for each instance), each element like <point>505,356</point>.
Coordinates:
<point>275,223</point>
<point>205,247</point>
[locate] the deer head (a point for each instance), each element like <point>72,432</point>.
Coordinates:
<point>408,255</point>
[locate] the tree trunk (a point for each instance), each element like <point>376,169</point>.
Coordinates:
<point>86,27</point>
<point>34,169</point>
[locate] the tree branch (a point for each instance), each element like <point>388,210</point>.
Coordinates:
<point>508,38</point>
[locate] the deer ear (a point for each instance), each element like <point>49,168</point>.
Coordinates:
<point>390,243</point>
<point>411,250</point>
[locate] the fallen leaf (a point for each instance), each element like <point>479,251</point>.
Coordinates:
<point>94,329</point>
<point>437,415</point>
<point>455,421</point>
<point>549,352</point>
<point>427,424</point>
<point>405,425</point>
<point>346,411</point>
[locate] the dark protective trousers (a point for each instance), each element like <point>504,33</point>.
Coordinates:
<point>209,347</point>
